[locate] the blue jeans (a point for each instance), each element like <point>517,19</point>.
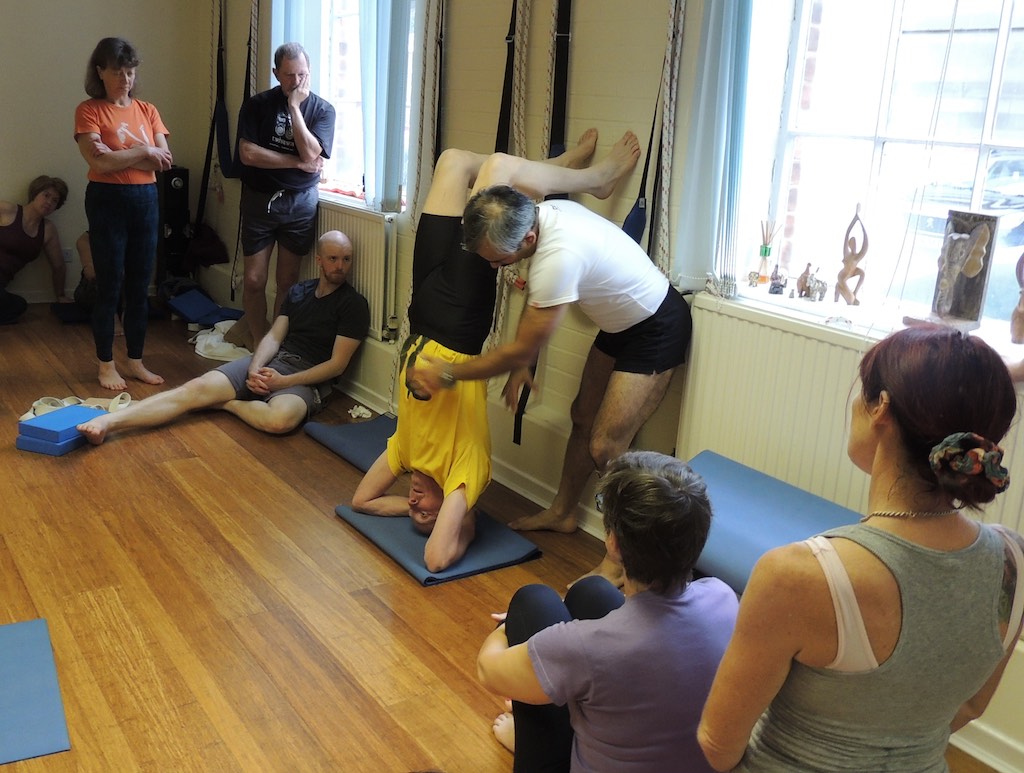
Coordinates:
<point>123,224</point>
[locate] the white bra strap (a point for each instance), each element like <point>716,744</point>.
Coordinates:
<point>1017,610</point>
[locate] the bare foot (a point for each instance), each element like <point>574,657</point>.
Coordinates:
<point>110,378</point>
<point>610,570</point>
<point>504,728</point>
<point>95,430</point>
<point>579,156</point>
<point>547,520</point>
<point>616,165</point>
<point>137,370</point>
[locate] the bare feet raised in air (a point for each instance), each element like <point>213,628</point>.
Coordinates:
<point>110,378</point>
<point>137,370</point>
<point>610,570</point>
<point>95,430</point>
<point>546,520</point>
<point>504,728</point>
<point>579,156</point>
<point>616,165</point>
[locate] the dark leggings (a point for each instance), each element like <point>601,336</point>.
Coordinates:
<point>123,226</point>
<point>543,733</point>
<point>11,307</point>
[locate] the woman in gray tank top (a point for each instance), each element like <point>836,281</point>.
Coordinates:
<point>866,649</point>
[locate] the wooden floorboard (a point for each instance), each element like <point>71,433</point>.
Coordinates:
<point>207,609</point>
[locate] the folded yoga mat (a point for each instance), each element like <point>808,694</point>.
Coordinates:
<point>495,546</point>
<point>31,711</point>
<point>359,443</point>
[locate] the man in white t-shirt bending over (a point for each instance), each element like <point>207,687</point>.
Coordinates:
<point>577,257</point>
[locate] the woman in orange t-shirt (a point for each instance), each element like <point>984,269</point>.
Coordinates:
<point>124,141</point>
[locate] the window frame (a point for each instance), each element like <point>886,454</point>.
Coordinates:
<point>893,311</point>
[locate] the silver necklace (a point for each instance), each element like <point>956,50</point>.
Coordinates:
<point>908,514</point>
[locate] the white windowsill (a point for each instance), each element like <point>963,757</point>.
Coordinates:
<point>840,323</point>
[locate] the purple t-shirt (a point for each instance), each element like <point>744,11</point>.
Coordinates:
<point>636,680</point>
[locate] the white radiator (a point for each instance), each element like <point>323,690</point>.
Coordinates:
<point>774,393</point>
<point>374,249</point>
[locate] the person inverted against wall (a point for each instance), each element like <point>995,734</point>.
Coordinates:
<point>577,256</point>
<point>444,439</point>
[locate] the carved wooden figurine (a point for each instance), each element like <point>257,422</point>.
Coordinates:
<point>802,282</point>
<point>852,255</point>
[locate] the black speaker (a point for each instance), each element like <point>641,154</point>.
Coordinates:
<point>175,222</point>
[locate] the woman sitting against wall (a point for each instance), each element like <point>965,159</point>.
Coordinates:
<point>25,233</point>
<point>864,648</point>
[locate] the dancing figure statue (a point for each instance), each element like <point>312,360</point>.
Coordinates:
<point>852,255</point>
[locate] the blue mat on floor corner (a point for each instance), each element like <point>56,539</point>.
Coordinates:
<point>359,442</point>
<point>31,710</point>
<point>495,546</point>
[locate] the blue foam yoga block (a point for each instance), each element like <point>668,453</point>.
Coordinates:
<point>195,306</point>
<point>38,446</point>
<point>59,425</point>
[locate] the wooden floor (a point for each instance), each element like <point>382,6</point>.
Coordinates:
<point>209,612</point>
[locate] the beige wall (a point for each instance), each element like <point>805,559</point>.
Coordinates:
<point>46,45</point>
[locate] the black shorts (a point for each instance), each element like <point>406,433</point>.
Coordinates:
<point>287,217</point>
<point>656,344</point>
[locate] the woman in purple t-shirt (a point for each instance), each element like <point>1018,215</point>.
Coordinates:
<point>605,680</point>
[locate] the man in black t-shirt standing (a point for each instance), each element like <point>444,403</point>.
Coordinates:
<point>284,134</point>
<point>322,323</point>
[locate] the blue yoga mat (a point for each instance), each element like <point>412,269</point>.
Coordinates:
<point>31,710</point>
<point>495,546</point>
<point>752,513</point>
<point>359,443</point>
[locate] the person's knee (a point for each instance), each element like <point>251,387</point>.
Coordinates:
<point>591,598</point>
<point>209,390</point>
<point>498,168</point>
<point>283,415</point>
<point>454,163</point>
<point>255,279</point>
<point>603,449</point>
<point>533,608</point>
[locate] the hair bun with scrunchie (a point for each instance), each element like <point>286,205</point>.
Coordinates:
<point>965,453</point>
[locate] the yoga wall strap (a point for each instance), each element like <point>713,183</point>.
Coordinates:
<point>670,88</point>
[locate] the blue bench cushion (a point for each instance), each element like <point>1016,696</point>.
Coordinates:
<point>753,513</point>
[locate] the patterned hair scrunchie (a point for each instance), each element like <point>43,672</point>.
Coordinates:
<point>971,454</point>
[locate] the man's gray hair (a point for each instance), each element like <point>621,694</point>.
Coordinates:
<point>289,51</point>
<point>500,215</point>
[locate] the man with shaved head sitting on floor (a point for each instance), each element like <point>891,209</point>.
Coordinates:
<point>322,323</point>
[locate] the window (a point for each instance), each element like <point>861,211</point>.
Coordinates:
<point>360,59</point>
<point>908,108</point>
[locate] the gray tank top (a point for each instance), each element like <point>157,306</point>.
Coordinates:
<point>895,717</point>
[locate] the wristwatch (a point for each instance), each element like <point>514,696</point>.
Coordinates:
<point>447,377</point>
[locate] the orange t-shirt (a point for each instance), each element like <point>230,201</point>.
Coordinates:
<point>120,128</point>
